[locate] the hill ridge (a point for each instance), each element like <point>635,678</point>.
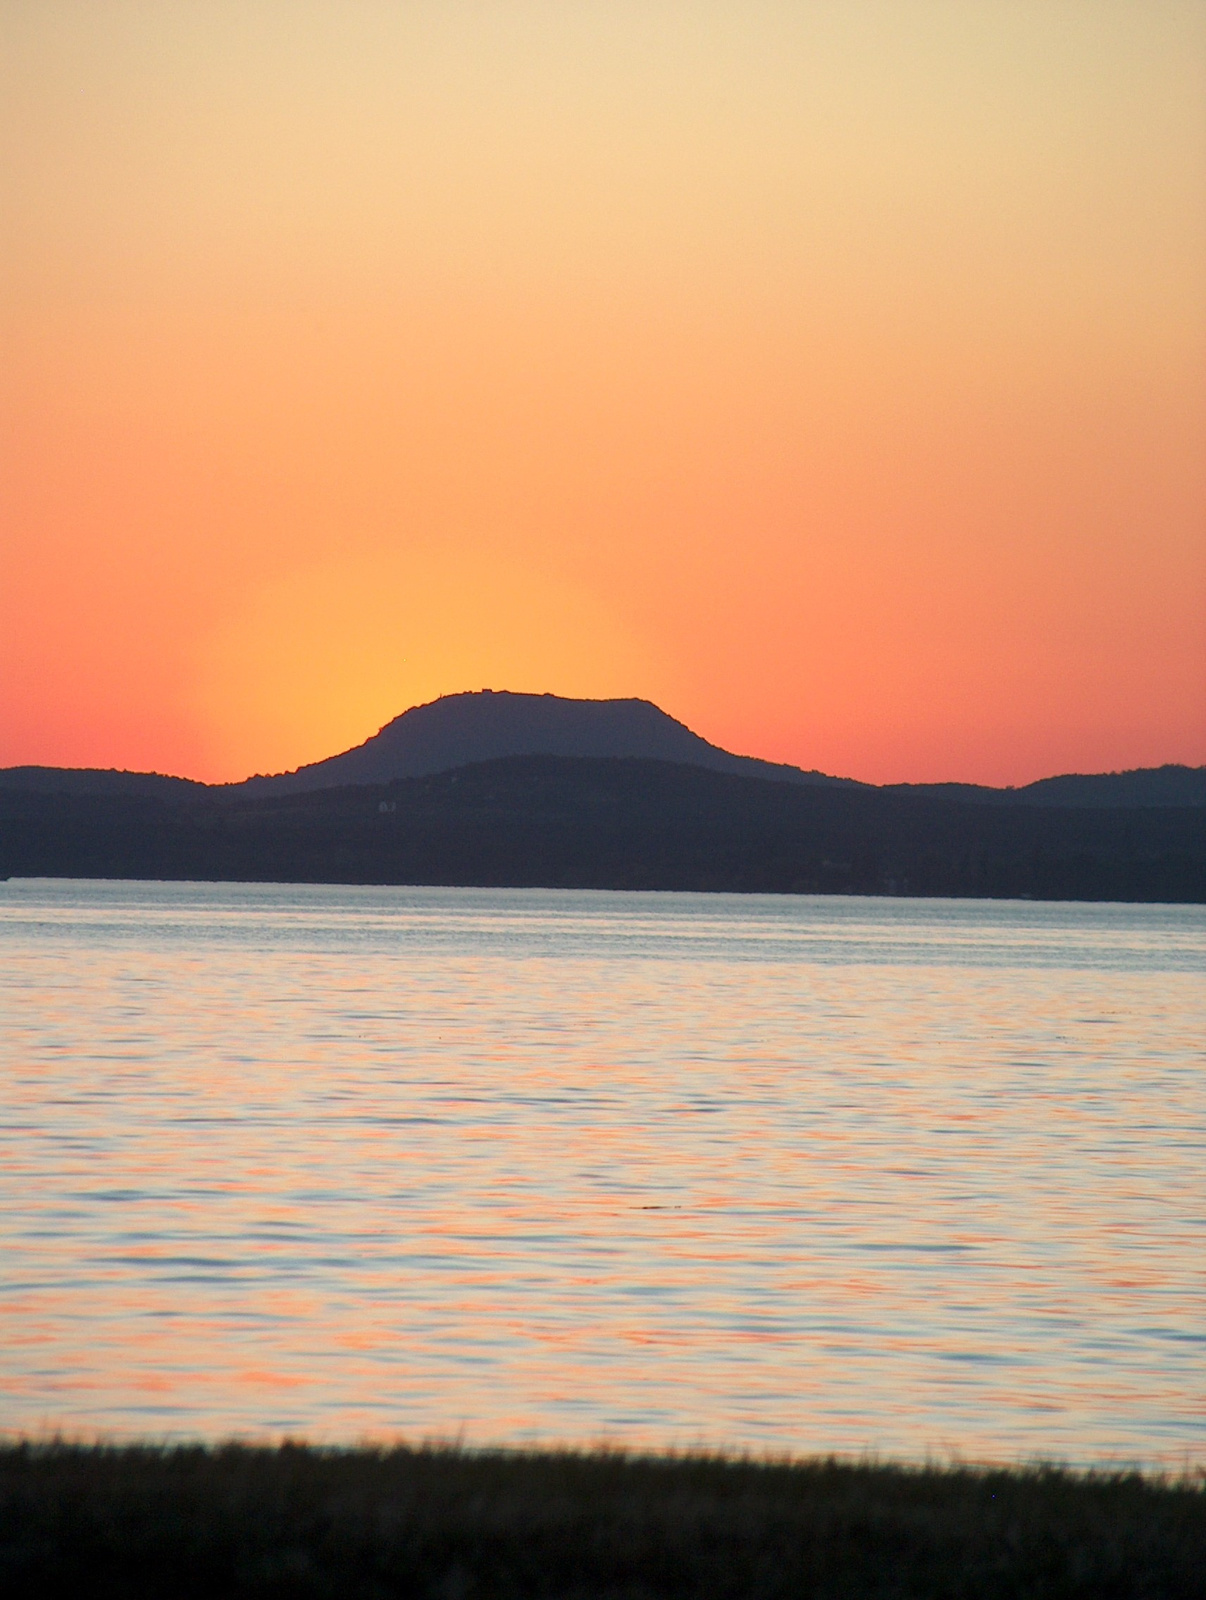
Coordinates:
<point>461,730</point>
<point>563,822</point>
<point>458,730</point>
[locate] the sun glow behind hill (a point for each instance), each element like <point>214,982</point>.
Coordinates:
<point>832,376</point>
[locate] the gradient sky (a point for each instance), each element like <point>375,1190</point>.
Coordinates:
<point>832,374</point>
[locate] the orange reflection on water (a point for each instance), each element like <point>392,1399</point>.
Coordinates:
<point>664,1170</point>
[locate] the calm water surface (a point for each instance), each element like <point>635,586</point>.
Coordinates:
<point>778,1173</point>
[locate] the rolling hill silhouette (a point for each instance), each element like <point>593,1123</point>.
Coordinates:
<point>462,730</point>
<point>503,789</point>
<point>613,823</point>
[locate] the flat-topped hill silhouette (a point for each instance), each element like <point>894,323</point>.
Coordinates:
<point>501,789</point>
<point>459,730</point>
<point>462,730</point>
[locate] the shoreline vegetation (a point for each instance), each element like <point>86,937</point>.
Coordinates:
<point>292,1520</point>
<point>612,823</point>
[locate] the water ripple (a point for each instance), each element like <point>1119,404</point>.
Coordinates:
<point>786,1173</point>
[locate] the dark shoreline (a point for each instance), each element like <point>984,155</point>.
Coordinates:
<point>239,1520</point>
<point>576,823</point>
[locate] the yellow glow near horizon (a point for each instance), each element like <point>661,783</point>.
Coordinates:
<point>832,375</point>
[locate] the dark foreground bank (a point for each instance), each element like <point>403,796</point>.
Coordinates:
<point>569,823</point>
<point>240,1521</point>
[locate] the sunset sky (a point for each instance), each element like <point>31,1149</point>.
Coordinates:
<point>833,374</point>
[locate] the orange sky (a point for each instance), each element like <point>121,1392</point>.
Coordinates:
<point>833,375</point>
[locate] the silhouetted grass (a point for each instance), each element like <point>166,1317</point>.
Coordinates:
<point>240,1521</point>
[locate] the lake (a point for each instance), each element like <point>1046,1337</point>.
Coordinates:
<point>777,1174</point>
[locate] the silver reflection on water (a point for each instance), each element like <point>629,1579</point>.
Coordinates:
<point>795,1174</point>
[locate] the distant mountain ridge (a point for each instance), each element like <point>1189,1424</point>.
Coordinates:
<point>462,730</point>
<point>1170,785</point>
<point>459,730</point>
<point>100,781</point>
